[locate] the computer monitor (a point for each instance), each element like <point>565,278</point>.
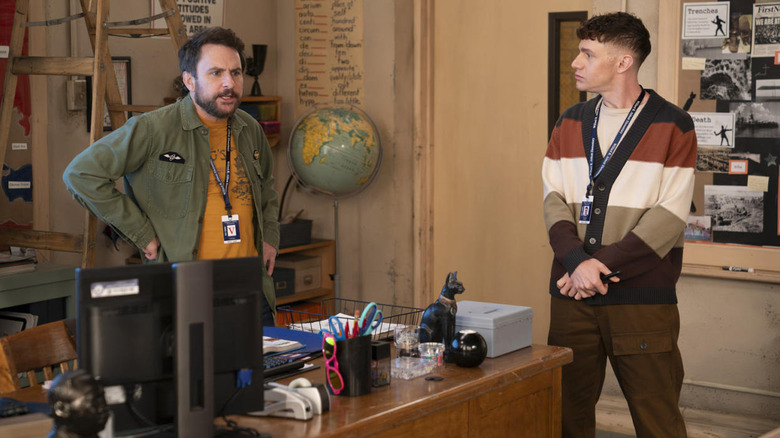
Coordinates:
<point>127,337</point>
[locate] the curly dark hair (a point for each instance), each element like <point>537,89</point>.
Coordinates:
<point>189,53</point>
<point>618,28</point>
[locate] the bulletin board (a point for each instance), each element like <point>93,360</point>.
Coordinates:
<point>729,82</point>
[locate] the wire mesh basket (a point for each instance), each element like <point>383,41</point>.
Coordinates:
<point>316,319</point>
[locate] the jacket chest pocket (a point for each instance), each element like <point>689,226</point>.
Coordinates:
<point>169,189</point>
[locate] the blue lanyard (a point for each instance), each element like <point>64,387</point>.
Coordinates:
<point>224,187</point>
<point>611,151</point>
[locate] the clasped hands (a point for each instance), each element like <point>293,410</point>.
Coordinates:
<point>585,281</point>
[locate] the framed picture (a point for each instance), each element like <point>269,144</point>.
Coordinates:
<point>122,69</point>
<point>562,91</point>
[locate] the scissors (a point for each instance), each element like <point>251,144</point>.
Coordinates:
<point>336,328</point>
<point>370,319</point>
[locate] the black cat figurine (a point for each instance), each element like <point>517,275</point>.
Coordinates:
<point>438,320</point>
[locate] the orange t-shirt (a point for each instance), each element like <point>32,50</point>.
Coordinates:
<point>212,244</point>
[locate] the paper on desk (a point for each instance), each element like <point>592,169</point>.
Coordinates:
<point>316,326</point>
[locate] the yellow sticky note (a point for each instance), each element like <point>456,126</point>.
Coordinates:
<point>693,63</point>
<point>758,183</point>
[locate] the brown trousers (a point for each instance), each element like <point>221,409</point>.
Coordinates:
<point>641,344</point>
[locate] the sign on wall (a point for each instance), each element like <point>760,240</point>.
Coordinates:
<point>328,53</point>
<point>195,14</point>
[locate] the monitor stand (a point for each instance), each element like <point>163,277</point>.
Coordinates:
<point>194,349</point>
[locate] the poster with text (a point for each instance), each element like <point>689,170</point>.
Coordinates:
<point>329,65</point>
<point>196,15</point>
<point>714,129</point>
<point>766,29</point>
<point>705,20</point>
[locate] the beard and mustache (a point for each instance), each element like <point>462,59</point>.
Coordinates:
<point>210,105</point>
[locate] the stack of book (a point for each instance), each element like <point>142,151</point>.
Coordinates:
<point>12,264</point>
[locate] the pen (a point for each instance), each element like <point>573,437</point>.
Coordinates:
<point>737,269</point>
<point>605,277</point>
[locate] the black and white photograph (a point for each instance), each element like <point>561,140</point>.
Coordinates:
<point>717,48</point>
<point>757,119</point>
<point>767,89</point>
<point>766,79</point>
<point>726,79</point>
<point>710,159</point>
<point>766,29</point>
<point>734,208</point>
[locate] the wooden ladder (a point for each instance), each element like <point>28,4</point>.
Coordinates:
<point>105,91</point>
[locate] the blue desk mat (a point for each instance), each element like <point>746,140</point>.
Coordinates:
<point>312,342</point>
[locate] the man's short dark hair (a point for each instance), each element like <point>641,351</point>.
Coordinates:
<point>618,28</point>
<point>189,53</point>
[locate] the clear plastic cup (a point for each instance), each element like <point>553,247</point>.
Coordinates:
<point>407,341</point>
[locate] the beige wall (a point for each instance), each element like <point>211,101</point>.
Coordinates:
<point>490,134</point>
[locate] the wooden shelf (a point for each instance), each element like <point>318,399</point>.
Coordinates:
<point>326,250</point>
<point>303,296</point>
<point>315,244</point>
<point>269,108</point>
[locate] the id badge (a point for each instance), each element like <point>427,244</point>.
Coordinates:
<point>230,233</point>
<point>585,209</point>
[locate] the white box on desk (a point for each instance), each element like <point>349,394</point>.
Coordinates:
<point>505,327</point>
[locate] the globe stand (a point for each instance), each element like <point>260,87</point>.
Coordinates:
<point>336,278</point>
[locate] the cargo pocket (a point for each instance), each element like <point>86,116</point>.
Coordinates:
<point>642,343</point>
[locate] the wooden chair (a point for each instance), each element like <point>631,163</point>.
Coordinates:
<point>28,351</point>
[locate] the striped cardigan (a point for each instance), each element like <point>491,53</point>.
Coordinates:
<point>641,201</point>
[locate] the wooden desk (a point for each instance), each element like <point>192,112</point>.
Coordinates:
<point>517,394</point>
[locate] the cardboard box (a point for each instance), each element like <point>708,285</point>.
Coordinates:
<point>284,281</point>
<point>505,328</point>
<point>308,270</point>
<point>295,234</point>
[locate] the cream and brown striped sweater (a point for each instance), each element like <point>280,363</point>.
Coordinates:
<point>640,201</point>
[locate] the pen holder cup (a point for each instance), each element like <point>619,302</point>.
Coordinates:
<point>354,356</point>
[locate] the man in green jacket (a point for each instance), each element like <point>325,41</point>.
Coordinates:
<point>198,174</point>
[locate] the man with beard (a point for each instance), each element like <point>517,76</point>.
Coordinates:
<point>198,174</point>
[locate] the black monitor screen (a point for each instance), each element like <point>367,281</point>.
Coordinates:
<point>126,336</point>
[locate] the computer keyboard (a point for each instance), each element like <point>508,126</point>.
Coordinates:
<point>276,365</point>
<point>10,407</point>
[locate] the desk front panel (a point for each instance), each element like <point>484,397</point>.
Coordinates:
<point>518,392</point>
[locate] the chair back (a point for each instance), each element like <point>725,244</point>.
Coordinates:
<point>39,348</point>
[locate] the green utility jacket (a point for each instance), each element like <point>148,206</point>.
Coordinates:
<point>163,157</point>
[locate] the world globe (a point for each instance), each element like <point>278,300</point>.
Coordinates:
<point>334,150</point>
